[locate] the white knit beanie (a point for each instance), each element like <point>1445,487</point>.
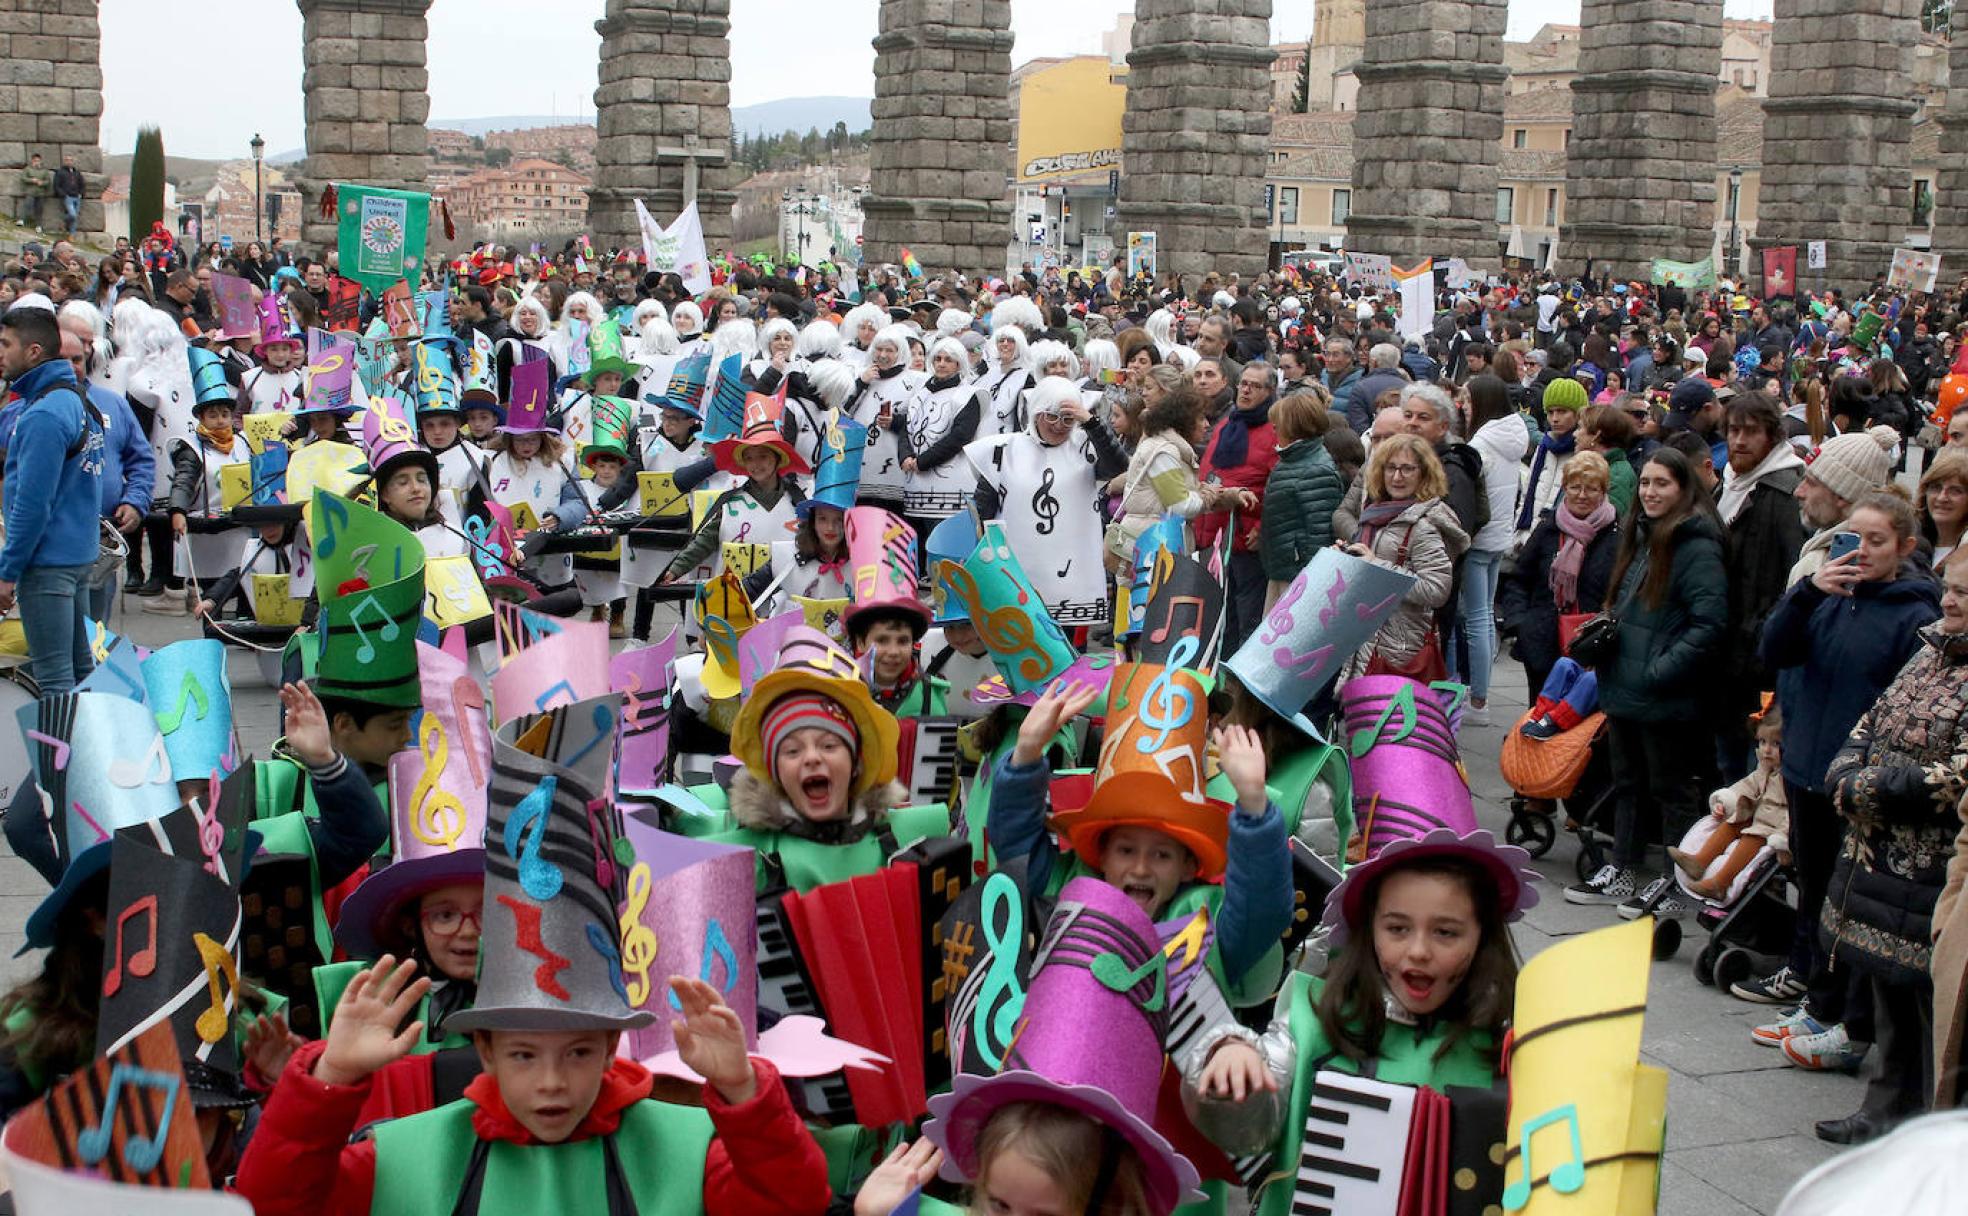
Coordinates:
<point>1854,465</point>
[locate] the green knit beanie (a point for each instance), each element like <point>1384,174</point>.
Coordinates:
<point>1565,394</point>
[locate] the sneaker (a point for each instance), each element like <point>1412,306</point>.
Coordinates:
<point>168,603</point>
<point>1792,1022</point>
<point>1609,886</point>
<point>1827,1051</point>
<point>1670,904</point>
<point>1780,989</point>
<point>1540,729</point>
<point>1476,715</point>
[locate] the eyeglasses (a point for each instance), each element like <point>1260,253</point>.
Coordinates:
<point>447,920</point>
<point>1402,470</point>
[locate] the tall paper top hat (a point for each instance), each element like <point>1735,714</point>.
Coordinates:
<point>526,413</point>
<point>837,468</point>
<point>437,383</point>
<point>390,438</point>
<point>605,351</point>
<point>724,613</point>
<point>550,958</point>
<point>646,678</point>
<point>1089,1040</point>
<point>369,575</point>
<point>480,376</point>
<point>946,547</point>
<point>1027,646</point>
<point>1152,770</point>
<point>1182,625</point>
<point>1334,607</point>
<point>1154,553</point>
<point>1408,779</point>
<point>608,434</point>
<point>810,661</point>
<point>208,381</point>
<point>191,698</point>
<point>438,796</point>
<point>685,391</point>
<point>330,385</point>
<point>881,560</point>
<point>100,764</point>
<point>724,400</point>
<point>434,316</point>
<point>171,953</point>
<point>277,323</point>
<point>760,429</point>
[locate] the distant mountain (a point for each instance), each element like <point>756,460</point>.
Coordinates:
<point>509,122</point>
<point>802,114</point>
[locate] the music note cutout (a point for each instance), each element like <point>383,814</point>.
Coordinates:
<point>143,961</point>
<point>638,940</point>
<point>994,1022</point>
<point>140,1153</point>
<point>367,650</point>
<point>601,833</point>
<point>330,512</point>
<point>540,702</point>
<point>717,949</point>
<point>153,769</point>
<point>191,692</point>
<point>1114,974</point>
<point>1567,1177</point>
<point>526,936</point>
<point>603,945</point>
<point>539,877</point>
<point>1195,629</point>
<point>61,748</point>
<point>214,1023</point>
<point>1403,703</point>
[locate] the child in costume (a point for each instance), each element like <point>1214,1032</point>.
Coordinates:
<point>557,1121</point>
<point>885,621</point>
<point>758,510</point>
<point>817,797</point>
<point>406,477</point>
<point>272,551</point>
<point>275,385</point>
<point>812,568</point>
<point>195,486</point>
<point>1750,815</point>
<point>608,369</point>
<point>953,651</point>
<point>607,456</point>
<point>524,469</point>
<point>439,414</point>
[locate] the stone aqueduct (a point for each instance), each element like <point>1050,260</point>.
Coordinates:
<point>1640,181</point>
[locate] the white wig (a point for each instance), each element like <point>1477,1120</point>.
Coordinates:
<point>648,308</point>
<point>126,321</point>
<point>948,345</point>
<point>1023,357</point>
<point>952,321</point>
<point>858,316</point>
<point>897,336</point>
<point>1017,311</point>
<point>832,380</point>
<point>687,319</point>
<point>531,305</point>
<point>1919,1170</point>
<point>735,337</point>
<point>1049,351</point>
<point>772,329</point>
<point>1161,327</point>
<point>1101,355</point>
<point>657,336</point>
<point>1183,357</point>
<point>596,313</point>
<point>1049,394</point>
<point>819,340</point>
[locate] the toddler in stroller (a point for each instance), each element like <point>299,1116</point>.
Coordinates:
<point>1746,818</point>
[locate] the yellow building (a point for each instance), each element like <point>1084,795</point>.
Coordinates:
<point>1068,157</point>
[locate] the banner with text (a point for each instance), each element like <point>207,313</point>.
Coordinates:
<point>1684,274</point>
<point>1370,269</point>
<point>677,249</point>
<point>381,234</point>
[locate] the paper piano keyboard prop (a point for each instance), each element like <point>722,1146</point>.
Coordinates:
<point>277,944</point>
<point>931,759</point>
<point>127,1118</point>
<point>1354,1150</point>
<point>869,970</point>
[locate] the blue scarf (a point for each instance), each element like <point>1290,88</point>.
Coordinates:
<point>1560,444</point>
<point>1233,435</point>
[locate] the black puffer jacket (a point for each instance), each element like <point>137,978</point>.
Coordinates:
<point>1664,663</point>
<point>1526,605</point>
<point>1897,782</point>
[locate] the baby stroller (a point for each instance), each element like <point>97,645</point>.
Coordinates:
<point>1749,929</point>
<point>1568,768</point>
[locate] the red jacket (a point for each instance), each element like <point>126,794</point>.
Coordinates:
<point>300,1163</point>
<point>1259,459</point>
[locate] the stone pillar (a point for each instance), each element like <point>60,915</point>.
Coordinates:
<point>1640,177</point>
<point>942,139</point>
<point>1951,185</point>
<point>1197,135</point>
<point>1836,133</point>
<point>663,117</point>
<point>51,102</point>
<point>1430,124</point>
<point>367,97</point>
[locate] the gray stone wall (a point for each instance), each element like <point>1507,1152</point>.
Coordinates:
<point>941,146</point>
<point>1836,164</point>
<point>664,93</point>
<point>1640,177</point>
<point>1430,120</point>
<point>1951,188</point>
<point>1197,135</point>
<point>51,101</point>
<point>367,96</point>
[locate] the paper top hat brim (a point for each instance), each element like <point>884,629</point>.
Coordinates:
<point>729,454</point>
<point>1084,816</point>
<point>879,733</point>
<point>1508,868</point>
<point>371,917</point>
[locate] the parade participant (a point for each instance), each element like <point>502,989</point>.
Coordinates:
<point>879,402</point>
<point>817,797</point>
<point>688,321</point>
<point>813,565</point>
<point>607,457</point>
<point>758,509</point>
<point>953,651</point>
<point>607,371</point>
<point>406,477</point>
<point>942,416</point>
<point>885,621</point>
<point>1006,380</point>
<point>275,385</point>
<point>195,483</point>
<point>777,343</point>
<point>484,417</point>
<point>1044,485</point>
<point>672,442</point>
<point>272,551</point>
<point>440,407</point>
<point>525,470</point>
<point>327,398</point>
<point>858,329</point>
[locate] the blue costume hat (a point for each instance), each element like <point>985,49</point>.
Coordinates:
<point>208,381</point>
<point>434,316</point>
<point>685,391</point>
<point>837,468</point>
<point>951,541</point>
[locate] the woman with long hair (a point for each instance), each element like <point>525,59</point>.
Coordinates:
<point>1670,596</point>
<point>1502,440</point>
<point>1406,523</point>
<point>1944,502</point>
<point>1162,473</point>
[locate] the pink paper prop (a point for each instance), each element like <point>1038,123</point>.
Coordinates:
<point>1408,779</point>
<point>566,667</point>
<point>645,678</point>
<point>238,316</point>
<point>758,648</point>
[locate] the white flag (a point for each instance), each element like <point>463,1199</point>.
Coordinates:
<point>678,249</point>
<point>1417,299</point>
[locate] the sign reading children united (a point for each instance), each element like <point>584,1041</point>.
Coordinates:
<point>381,234</point>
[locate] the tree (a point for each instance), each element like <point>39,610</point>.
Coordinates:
<point>1936,15</point>
<point>146,183</point>
<point>1301,102</point>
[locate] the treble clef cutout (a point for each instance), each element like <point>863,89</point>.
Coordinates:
<point>1045,506</point>
<point>1001,1001</point>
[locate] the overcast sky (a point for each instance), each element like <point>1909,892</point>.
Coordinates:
<point>492,57</point>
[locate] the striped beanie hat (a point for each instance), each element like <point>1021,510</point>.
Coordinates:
<point>805,711</point>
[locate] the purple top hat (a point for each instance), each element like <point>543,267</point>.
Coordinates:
<point>1408,779</point>
<point>1089,1041</point>
<point>532,393</point>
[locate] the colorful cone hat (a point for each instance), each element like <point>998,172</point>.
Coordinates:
<point>479,385</point>
<point>438,797</point>
<point>605,351</point>
<point>526,413</point>
<point>1028,647</point>
<point>1334,607</point>
<point>101,765</point>
<point>1089,1040</point>
<point>190,696</point>
<point>369,575</point>
<point>1154,552</point>
<point>389,438</point>
<point>1188,604</point>
<point>837,467</point>
<point>434,316</point>
<point>330,384</point>
<point>948,544</point>
<point>208,381</point>
<point>760,429</point>
<point>437,382</point>
<point>881,562</point>
<point>724,401</point>
<point>810,661</point>
<point>550,956</point>
<point>1408,778</point>
<point>646,678</point>
<point>608,434</point>
<point>685,391</point>
<point>277,323</point>
<point>724,613</point>
<point>1153,766</point>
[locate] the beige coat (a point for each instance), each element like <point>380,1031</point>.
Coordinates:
<point>1767,815</point>
<point>1433,543</point>
<point>1949,968</point>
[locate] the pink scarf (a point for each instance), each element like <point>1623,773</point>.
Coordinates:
<point>1574,535</point>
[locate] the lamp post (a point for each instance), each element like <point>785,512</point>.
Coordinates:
<point>259,205</point>
<point>1735,202</point>
<point>801,208</point>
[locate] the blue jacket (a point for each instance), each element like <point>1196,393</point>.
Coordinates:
<point>44,483</point>
<point>1834,655</point>
<point>1257,884</point>
<point>129,466</point>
